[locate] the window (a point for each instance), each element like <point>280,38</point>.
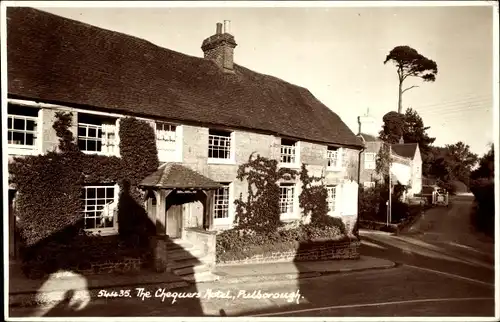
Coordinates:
<point>99,206</point>
<point>22,126</point>
<point>219,144</point>
<point>370,161</point>
<point>288,151</point>
<point>369,184</point>
<point>331,197</point>
<point>286,198</point>
<point>168,141</point>
<point>166,137</point>
<point>221,202</point>
<point>97,134</point>
<point>333,155</point>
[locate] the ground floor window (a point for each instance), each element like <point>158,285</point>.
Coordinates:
<point>99,206</point>
<point>221,202</point>
<point>287,192</point>
<point>331,198</point>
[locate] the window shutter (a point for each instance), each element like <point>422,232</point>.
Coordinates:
<point>104,136</point>
<point>117,134</point>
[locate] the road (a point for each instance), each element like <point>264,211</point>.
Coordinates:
<point>443,239</point>
<point>434,278</point>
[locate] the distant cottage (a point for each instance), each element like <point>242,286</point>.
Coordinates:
<point>407,160</point>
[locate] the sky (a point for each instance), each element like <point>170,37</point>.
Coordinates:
<point>338,53</point>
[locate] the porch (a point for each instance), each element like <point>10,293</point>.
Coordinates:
<point>179,201</point>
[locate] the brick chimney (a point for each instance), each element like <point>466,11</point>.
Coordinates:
<point>220,47</point>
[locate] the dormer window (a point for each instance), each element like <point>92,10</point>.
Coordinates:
<point>289,152</point>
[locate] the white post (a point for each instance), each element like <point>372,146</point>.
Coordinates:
<point>390,185</point>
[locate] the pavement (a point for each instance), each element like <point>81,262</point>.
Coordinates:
<point>296,270</point>
<point>26,292</point>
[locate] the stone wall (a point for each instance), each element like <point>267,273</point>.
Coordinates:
<point>316,251</point>
<point>126,265</point>
<point>203,240</point>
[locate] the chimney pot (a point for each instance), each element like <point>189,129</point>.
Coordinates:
<point>219,28</point>
<point>227,26</point>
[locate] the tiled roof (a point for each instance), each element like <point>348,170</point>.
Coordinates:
<point>177,176</point>
<point>406,150</point>
<point>369,137</point>
<point>58,60</point>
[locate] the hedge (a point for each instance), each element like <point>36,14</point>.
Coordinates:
<point>484,214</point>
<point>235,244</point>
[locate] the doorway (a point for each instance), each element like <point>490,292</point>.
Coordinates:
<point>173,214</point>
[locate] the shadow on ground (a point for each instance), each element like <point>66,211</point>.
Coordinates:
<point>63,250</point>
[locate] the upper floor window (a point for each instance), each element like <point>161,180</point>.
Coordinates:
<point>331,198</point>
<point>289,151</point>
<point>287,193</point>
<point>221,202</point>
<point>168,141</point>
<point>22,126</point>
<point>334,157</point>
<point>370,160</point>
<point>219,144</point>
<point>97,134</point>
<point>99,206</point>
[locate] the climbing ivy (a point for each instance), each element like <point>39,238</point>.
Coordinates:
<point>48,186</point>
<point>261,211</point>
<point>313,198</point>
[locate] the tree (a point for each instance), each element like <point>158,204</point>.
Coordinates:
<point>410,63</point>
<point>463,160</point>
<point>393,127</point>
<point>486,168</point>
<point>414,131</point>
<point>411,128</point>
<point>452,162</point>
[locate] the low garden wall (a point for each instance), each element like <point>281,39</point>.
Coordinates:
<point>311,251</point>
<point>288,243</point>
<point>85,255</point>
<point>203,240</point>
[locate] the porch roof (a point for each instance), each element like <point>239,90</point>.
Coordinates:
<point>177,176</point>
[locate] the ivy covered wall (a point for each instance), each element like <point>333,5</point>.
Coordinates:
<point>49,186</point>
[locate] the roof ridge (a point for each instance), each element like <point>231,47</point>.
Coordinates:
<point>175,90</point>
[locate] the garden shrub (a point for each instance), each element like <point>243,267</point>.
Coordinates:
<point>48,197</point>
<point>484,212</point>
<point>235,244</point>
